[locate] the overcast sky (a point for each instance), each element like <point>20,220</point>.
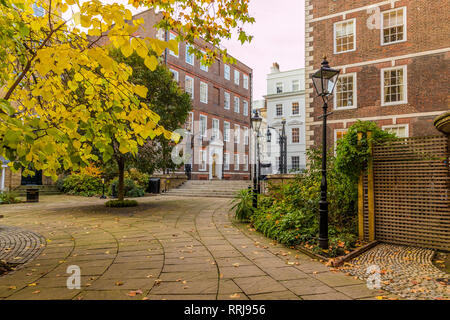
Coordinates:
<point>278,37</point>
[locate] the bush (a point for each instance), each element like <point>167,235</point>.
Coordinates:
<point>121,204</point>
<point>139,178</point>
<point>8,198</point>
<point>81,184</point>
<point>131,189</point>
<point>242,205</point>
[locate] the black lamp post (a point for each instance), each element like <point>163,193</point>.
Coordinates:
<point>103,194</point>
<point>282,140</point>
<point>256,124</point>
<point>324,81</point>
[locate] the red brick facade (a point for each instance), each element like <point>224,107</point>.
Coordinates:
<point>423,53</point>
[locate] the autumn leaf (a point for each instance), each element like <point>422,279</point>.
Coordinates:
<point>235,296</point>
<point>36,292</point>
<point>119,283</point>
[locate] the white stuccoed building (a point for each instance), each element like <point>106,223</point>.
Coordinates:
<point>285,99</point>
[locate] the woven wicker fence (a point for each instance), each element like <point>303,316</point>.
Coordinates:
<point>410,192</point>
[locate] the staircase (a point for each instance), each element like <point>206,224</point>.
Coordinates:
<point>209,188</point>
<point>43,189</point>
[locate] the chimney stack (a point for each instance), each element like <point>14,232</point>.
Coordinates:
<point>275,68</point>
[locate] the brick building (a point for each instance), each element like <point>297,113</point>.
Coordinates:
<point>394,62</point>
<point>219,123</point>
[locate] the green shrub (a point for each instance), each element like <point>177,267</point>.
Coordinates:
<point>8,197</point>
<point>139,178</point>
<point>81,184</point>
<point>131,189</point>
<point>121,204</point>
<point>242,205</point>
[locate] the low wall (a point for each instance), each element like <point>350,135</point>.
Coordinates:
<point>275,179</point>
<point>170,181</point>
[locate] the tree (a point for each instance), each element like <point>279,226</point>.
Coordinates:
<point>56,84</point>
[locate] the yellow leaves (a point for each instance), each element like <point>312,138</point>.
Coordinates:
<point>151,62</point>
<point>126,49</point>
<point>124,148</point>
<point>134,293</point>
<point>173,45</point>
<point>70,2</point>
<point>140,91</point>
<point>85,21</point>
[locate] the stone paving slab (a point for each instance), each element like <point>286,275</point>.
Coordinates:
<point>167,249</point>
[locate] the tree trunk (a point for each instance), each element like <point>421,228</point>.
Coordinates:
<point>120,187</point>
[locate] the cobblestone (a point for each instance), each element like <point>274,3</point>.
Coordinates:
<point>405,271</point>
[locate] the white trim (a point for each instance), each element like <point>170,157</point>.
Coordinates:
<point>204,83</point>
<point>172,36</point>
<point>292,135</point>
<point>216,133</point>
<point>226,161</point>
<point>186,55</point>
<point>224,100</point>
<point>355,93</point>
<point>226,135</point>
<point>382,27</point>
<point>226,67</point>
<point>236,163</point>
<point>395,126</point>
<point>246,136</point>
<point>238,134</point>
<point>245,107</point>
<point>203,152</point>
<point>238,77</point>
<point>202,66</point>
<point>354,35</point>
<point>175,72</point>
<point>3,175</point>
<point>245,79</point>
<point>245,162</point>
<point>203,134</point>
<point>405,86</point>
<point>193,85</point>
<point>238,104</point>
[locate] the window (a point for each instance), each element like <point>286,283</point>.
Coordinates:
<point>401,130</point>
<point>245,162</point>
<point>236,104</point>
<point>189,56</point>
<point>203,66</point>
<point>246,137</point>
<point>227,102</point>
<point>339,134</point>
<point>295,108</point>
<point>237,133</point>
<point>345,96</point>
<point>394,26</point>
<point>173,36</point>
<point>174,74</point>
<point>279,110</point>
<point>236,161</point>
<point>203,125</point>
<point>226,161</point>
<point>203,92</point>
<point>245,108</point>
<point>245,80</point>
<point>393,89</point>
<point>295,162</point>
<point>279,87</point>
<point>295,135</point>
<point>295,85</point>
<point>226,71</point>
<point>226,131</point>
<point>202,166</point>
<point>237,76</point>
<point>215,129</point>
<point>345,36</point>
<point>161,34</point>
<point>189,86</point>
<point>189,125</point>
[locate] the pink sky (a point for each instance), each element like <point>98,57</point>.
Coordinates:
<point>279,36</point>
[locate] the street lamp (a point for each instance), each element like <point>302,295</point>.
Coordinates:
<point>324,81</point>
<point>256,120</point>
<point>282,140</point>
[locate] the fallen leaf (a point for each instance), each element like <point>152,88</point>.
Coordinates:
<point>12,287</point>
<point>32,284</point>
<point>235,296</point>
<point>119,283</point>
<point>36,292</point>
<point>236,265</point>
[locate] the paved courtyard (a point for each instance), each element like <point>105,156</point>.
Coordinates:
<point>166,248</point>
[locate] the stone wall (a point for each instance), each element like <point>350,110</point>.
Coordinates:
<point>275,179</point>
<point>170,181</point>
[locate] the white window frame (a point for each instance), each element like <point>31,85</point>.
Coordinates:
<point>187,55</point>
<point>175,72</point>
<point>335,137</point>
<point>298,84</point>
<point>245,162</point>
<point>292,135</point>
<point>292,109</point>
<point>292,162</point>
<point>173,36</point>
<point>226,161</point>
<point>191,124</point>
<point>334,36</point>
<point>355,93</point>
<point>226,131</point>
<point>237,107</point>
<point>237,133</point>
<point>246,136</point>
<point>276,110</point>
<point>405,86</point>
<point>192,87</point>
<point>226,72</point>
<point>161,34</point>
<point>245,81</point>
<point>276,87</point>
<point>205,87</point>
<point>245,107</point>
<point>236,163</point>
<point>215,129</point>
<point>237,77</point>
<point>226,105</point>
<point>396,126</point>
<point>204,133</point>
<point>405,33</point>
<point>203,157</point>
<point>202,66</point>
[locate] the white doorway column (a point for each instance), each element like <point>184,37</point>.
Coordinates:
<point>2,179</point>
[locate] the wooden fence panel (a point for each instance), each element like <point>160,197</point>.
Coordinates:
<point>411,185</point>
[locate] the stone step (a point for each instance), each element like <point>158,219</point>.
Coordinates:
<point>43,189</point>
<point>207,195</point>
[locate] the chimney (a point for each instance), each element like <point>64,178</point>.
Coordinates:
<point>275,68</point>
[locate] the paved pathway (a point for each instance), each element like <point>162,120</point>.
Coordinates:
<point>167,248</point>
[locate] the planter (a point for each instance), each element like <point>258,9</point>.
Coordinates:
<point>442,123</point>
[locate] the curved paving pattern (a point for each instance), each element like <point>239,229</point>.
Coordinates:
<point>166,248</point>
<point>406,271</point>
